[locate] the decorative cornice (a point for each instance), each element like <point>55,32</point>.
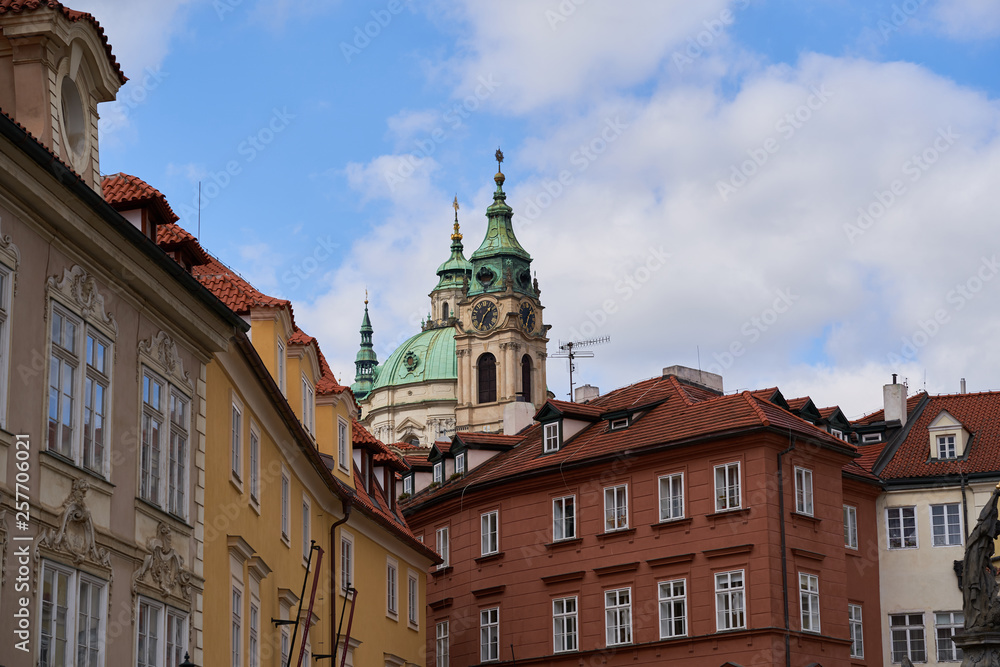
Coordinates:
<point>808,554</point>
<point>566,576</point>
<point>240,548</point>
<point>79,288</point>
<point>441,604</point>
<point>670,560</point>
<point>616,569</point>
<point>728,551</point>
<point>258,568</point>
<point>492,590</point>
<point>162,349</point>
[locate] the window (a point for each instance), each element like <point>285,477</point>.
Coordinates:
<point>616,508</point>
<point>160,402</point>
<point>850,527</point>
<point>551,438</point>
<point>342,455</point>
<point>237,627</point>
<point>857,631</point>
<point>73,618</point>
<point>442,646</point>
<point>946,447</point>
<point>254,657</point>
<point>254,465</point>
<point>489,634</point>
<point>729,608</point>
<point>162,635</point>
<point>526,379</point>
<point>79,384</point>
<point>441,540</point>
<point>946,525</point>
<point>902,527</point>
<point>564,518</point>
<point>618,616</point>
<point>308,405</point>
<point>306,532</point>
<point>809,602</point>
<point>439,472</point>
<point>391,588</point>
<point>281,366</point>
<point>617,424</point>
<point>346,562</point>
<point>285,645</point>
<point>487,368</point>
<point>673,609</point>
<point>412,602</point>
<point>285,506</point>
<point>869,438</point>
<point>946,624</point>
<point>490,533</point>
<point>672,497</point>
<point>236,446</point>
<point>408,485</point>
<point>564,625</point>
<point>727,487</point>
<point>837,433</point>
<point>803,491</point>
<point>907,633</point>
<point>460,463</point>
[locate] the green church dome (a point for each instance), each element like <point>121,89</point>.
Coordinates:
<point>428,356</point>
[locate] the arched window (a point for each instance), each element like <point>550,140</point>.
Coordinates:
<point>444,311</point>
<point>487,367</point>
<point>526,378</point>
<point>414,441</point>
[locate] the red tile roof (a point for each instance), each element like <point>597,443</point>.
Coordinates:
<point>125,192</point>
<point>798,403</point>
<point>879,415</point>
<point>382,454</point>
<point>488,439</point>
<point>233,290</point>
<point>19,6</point>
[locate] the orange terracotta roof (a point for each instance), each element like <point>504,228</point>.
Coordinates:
<point>19,6</point>
<point>798,403</point>
<point>125,192</point>
<point>233,290</point>
<point>879,415</point>
<point>173,237</point>
<point>382,454</point>
<point>480,438</point>
<point>826,413</point>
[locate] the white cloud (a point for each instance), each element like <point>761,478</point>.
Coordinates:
<point>969,19</point>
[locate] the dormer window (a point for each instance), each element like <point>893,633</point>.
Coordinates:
<point>618,424</point>
<point>408,485</point>
<point>550,438</point>
<point>946,447</point>
<point>460,463</point>
<point>439,472</point>
<point>869,438</point>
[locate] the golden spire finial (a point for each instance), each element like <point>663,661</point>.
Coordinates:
<point>455,235</point>
<point>366,297</point>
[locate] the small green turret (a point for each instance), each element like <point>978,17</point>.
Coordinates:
<point>366,360</point>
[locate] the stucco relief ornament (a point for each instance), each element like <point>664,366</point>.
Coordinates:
<point>80,287</point>
<point>411,360</point>
<point>163,349</point>
<point>162,568</point>
<point>75,536</point>
<point>980,603</point>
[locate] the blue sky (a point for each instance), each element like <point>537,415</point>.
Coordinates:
<point>795,193</point>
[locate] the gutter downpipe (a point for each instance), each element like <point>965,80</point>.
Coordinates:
<point>784,550</point>
<point>334,634</point>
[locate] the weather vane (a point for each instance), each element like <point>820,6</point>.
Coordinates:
<point>499,157</point>
<point>455,206</point>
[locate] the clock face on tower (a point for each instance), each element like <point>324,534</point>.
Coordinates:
<point>526,314</point>
<point>485,315</point>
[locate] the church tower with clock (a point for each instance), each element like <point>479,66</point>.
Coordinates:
<point>479,357</point>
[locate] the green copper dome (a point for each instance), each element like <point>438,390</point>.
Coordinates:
<point>428,356</point>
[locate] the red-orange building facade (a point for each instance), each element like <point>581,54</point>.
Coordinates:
<point>674,550</point>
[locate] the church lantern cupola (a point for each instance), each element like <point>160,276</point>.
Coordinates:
<point>366,360</point>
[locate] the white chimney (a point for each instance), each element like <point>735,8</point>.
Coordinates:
<point>586,393</point>
<point>894,400</point>
<point>516,416</point>
<point>963,385</point>
<point>711,381</point>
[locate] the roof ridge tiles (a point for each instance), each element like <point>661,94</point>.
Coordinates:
<point>752,401</point>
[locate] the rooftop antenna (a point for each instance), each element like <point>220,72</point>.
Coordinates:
<point>199,210</point>
<point>568,352</point>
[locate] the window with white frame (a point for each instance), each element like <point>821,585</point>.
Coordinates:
<point>73,617</point>
<point>946,447</point>
<point>850,527</point>
<point>616,508</point>
<point>237,628</point>
<point>308,405</point>
<point>281,365</point>
<point>162,634</point>
<point>946,525</point>
<point>254,465</point>
<point>165,423</point>
<point>254,647</point>
<point>439,472</point>
<point>391,587</point>
<point>286,641</point>
<point>946,625</point>
<point>412,599</point>
<point>236,441</point>
<point>564,518</point>
<point>901,523</point>
<point>730,611</point>
<point>286,506</point>
<point>490,532</point>
<point>869,438</point>
<point>342,449</point>
<point>673,608</point>
<point>442,645</point>
<point>809,602</point>
<point>803,491</point>
<point>6,280</point>
<point>408,485</point>
<point>618,424</point>
<point>727,487</point>
<point>906,633</point>
<point>565,631</point>
<point>460,463</point>
<point>550,437</point>
<point>443,549</point>
<point>618,616</point>
<point>346,562</point>
<point>489,634</point>
<point>857,631</point>
<point>672,497</point>
<point>79,391</point>
<point>306,530</point>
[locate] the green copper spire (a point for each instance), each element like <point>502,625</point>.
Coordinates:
<point>450,273</point>
<point>366,361</point>
<point>500,260</point>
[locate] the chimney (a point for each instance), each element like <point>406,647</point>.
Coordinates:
<point>710,381</point>
<point>962,384</point>
<point>586,393</point>
<point>894,400</point>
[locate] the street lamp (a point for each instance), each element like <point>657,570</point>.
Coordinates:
<point>187,661</point>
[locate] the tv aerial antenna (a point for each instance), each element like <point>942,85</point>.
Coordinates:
<point>569,351</point>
